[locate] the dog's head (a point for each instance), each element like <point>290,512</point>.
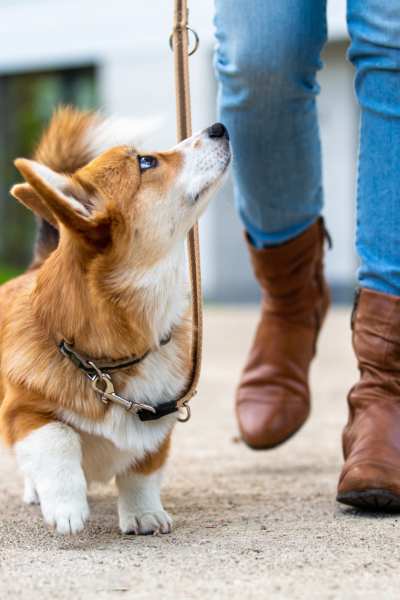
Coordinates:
<point>122,201</point>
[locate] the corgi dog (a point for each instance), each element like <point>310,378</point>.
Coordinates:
<point>95,336</point>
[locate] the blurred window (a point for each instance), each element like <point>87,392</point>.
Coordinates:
<point>27,101</point>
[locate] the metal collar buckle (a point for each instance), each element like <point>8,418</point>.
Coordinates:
<point>103,385</point>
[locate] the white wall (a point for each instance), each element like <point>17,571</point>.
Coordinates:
<point>338,114</point>
<point>128,40</point>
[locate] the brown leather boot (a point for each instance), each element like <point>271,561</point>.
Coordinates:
<point>370,478</point>
<point>273,397</point>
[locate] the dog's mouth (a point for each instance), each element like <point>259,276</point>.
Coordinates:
<point>214,184</point>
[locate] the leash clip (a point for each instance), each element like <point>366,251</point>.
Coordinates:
<point>103,385</point>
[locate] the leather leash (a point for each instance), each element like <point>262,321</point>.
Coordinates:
<point>99,371</point>
<point>179,42</point>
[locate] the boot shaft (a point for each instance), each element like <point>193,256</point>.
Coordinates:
<point>291,276</point>
<point>375,324</point>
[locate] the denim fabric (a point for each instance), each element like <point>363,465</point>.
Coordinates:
<point>267,59</point>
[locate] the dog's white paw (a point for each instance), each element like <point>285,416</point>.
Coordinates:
<point>30,495</point>
<point>65,516</point>
<point>152,522</point>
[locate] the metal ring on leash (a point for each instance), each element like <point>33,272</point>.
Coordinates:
<point>196,40</point>
<point>184,418</point>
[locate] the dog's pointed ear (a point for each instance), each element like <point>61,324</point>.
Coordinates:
<point>25,194</point>
<point>55,190</point>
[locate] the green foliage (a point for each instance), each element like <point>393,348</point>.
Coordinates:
<point>26,104</point>
<point>7,273</point>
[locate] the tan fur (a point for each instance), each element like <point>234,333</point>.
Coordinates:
<point>153,462</point>
<point>64,146</point>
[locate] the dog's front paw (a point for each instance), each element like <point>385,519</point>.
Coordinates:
<point>146,523</point>
<point>65,516</point>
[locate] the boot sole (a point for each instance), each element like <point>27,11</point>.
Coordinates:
<point>373,500</point>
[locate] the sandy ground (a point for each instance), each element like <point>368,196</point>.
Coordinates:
<point>247,524</point>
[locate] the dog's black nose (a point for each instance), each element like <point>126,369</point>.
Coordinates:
<point>218,130</point>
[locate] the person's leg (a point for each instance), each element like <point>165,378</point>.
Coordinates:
<point>267,57</point>
<point>371,441</point>
<point>374,27</point>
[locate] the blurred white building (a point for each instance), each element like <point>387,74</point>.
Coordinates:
<point>127,43</point>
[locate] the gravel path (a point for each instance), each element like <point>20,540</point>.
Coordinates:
<point>247,524</point>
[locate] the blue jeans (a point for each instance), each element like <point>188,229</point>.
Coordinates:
<point>267,58</point>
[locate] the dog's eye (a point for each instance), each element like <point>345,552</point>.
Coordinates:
<point>147,162</point>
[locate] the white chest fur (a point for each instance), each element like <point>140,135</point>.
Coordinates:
<point>111,445</point>
<point>121,438</point>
